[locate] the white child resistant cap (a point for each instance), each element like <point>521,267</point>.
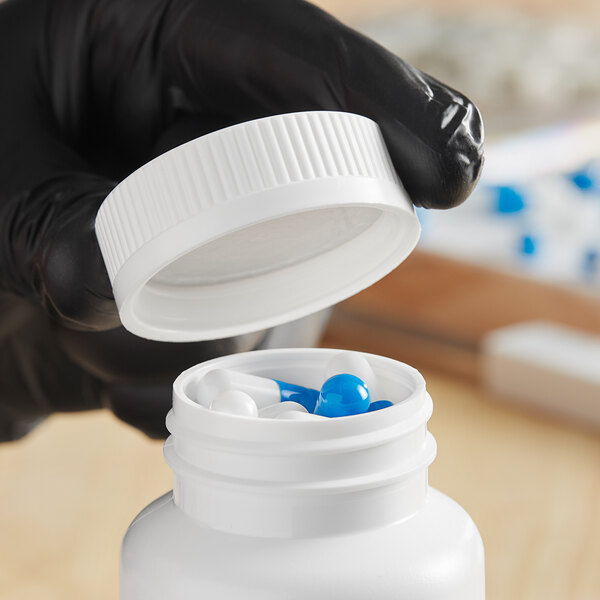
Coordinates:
<point>253,226</point>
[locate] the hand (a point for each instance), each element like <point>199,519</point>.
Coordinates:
<point>92,89</point>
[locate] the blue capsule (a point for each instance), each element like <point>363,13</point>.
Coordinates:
<point>528,245</point>
<point>583,180</point>
<point>509,200</point>
<point>379,404</point>
<point>343,395</point>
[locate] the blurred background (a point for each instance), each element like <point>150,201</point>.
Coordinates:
<point>499,308</point>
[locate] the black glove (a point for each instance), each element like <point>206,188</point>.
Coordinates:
<point>92,89</point>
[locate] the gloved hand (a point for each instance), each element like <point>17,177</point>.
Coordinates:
<point>92,89</point>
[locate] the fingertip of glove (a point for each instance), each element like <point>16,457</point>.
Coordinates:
<point>441,173</point>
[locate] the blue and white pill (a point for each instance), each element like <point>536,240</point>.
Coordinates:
<point>357,364</point>
<point>307,397</point>
<point>235,402</point>
<point>276,410</point>
<point>343,395</point>
<point>262,390</point>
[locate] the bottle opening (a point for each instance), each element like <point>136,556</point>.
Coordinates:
<point>279,477</point>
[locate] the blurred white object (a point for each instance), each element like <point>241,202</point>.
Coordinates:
<point>518,68</point>
<point>559,148</point>
<point>536,211</point>
<point>547,366</point>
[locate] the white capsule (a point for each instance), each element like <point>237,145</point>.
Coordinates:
<point>203,392</point>
<point>274,410</point>
<point>296,415</point>
<point>235,402</point>
<point>353,363</point>
<point>262,390</point>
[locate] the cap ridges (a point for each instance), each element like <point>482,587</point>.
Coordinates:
<point>238,161</point>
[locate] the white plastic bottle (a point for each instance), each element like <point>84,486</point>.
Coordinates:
<point>273,509</point>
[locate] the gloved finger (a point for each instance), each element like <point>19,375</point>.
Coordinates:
<point>248,60</point>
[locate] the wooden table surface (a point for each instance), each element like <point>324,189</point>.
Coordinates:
<point>69,491</point>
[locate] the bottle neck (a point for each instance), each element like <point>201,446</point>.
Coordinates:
<point>290,479</point>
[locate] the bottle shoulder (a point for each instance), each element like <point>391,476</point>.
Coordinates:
<point>441,516</point>
<point>437,549</point>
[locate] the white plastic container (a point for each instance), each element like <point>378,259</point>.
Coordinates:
<point>251,227</point>
<point>266,509</point>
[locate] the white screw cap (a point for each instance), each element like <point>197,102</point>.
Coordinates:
<point>254,225</point>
